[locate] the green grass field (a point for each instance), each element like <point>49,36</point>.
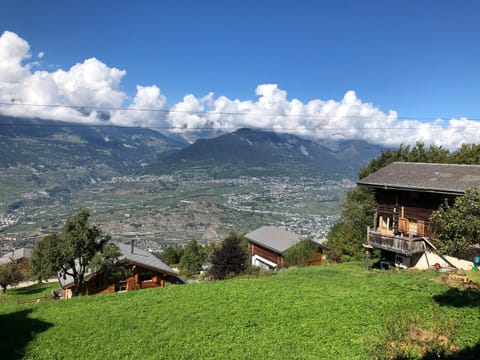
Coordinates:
<point>328,312</point>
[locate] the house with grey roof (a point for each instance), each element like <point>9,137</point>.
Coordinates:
<point>268,244</point>
<point>145,270</point>
<point>17,256</point>
<point>406,194</point>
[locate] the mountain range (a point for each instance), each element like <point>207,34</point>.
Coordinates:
<point>254,152</point>
<point>109,150</point>
<point>49,169</point>
<point>56,144</point>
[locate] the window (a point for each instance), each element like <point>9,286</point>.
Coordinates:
<point>145,275</point>
<point>413,227</point>
<point>121,286</point>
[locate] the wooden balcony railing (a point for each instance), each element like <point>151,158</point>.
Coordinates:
<point>399,244</point>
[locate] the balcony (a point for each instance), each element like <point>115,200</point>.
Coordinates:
<point>395,243</point>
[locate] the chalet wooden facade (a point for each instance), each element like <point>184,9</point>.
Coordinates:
<point>146,271</point>
<point>406,194</point>
<point>267,244</point>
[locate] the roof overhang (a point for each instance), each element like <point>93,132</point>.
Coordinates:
<point>455,192</point>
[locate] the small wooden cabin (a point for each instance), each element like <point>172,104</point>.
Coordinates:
<point>406,194</point>
<point>267,244</point>
<point>147,271</point>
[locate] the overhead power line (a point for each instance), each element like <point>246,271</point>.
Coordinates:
<point>199,112</point>
<point>226,128</point>
<point>221,128</point>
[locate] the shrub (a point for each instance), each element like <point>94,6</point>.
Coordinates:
<point>299,254</point>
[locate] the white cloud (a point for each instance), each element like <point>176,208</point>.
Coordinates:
<point>40,55</point>
<point>13,50</point>
<point>148,109</point>
<point>90,88</point>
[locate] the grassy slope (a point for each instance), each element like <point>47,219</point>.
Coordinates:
<point>329,312</point>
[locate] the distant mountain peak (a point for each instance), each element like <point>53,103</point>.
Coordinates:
<point>249,150</point>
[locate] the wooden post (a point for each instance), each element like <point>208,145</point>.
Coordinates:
<point>367,248</point>
<point>367,256</point>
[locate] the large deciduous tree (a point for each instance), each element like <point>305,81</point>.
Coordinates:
<point>72,251</point>
<point>457,225</point>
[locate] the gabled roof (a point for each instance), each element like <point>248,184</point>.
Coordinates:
<point>451,179</point>
<point>273,238</point>
<point>144,258</point>
<point>18,254</point>
<point>138,257</point>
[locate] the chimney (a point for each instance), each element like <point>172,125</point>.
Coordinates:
<point>133,243</point>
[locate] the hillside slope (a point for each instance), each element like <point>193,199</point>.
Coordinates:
<point>328,312</point>
<point>255,152</point>
<point>54,144</point>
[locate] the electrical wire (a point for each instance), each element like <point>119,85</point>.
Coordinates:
<point>222,128</point>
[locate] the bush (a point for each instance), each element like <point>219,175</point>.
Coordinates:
<point>299,254</point>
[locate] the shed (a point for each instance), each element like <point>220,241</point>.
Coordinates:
<point>267,245</point>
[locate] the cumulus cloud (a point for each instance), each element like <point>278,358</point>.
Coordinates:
<point>75,93</point>
<point>13,51</point>
<point>148,109</point>
<point>91,92</point>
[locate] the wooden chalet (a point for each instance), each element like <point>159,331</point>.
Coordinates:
<point>267,244</point>
<point>147,271</point>
<point>406,194</point>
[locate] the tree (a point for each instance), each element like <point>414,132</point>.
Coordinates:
<point>192,258</point>
<point>347,235</point>
<point>10,274</point>
<point>71,252</point>
<point>44,258</point>
<point>418,153</point>
<point>467,154</point>
<point>230,258</point>
<point>457,225</point>
<point>173,254</point>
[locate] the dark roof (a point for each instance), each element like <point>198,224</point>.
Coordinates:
<point>144,258</point>
<point>275,239</point>
<point>138,257</point>
<point>438,178</point>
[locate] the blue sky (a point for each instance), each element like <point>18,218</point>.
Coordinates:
<point>419,58</point>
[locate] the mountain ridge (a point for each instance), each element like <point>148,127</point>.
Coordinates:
<point>247,151</point>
